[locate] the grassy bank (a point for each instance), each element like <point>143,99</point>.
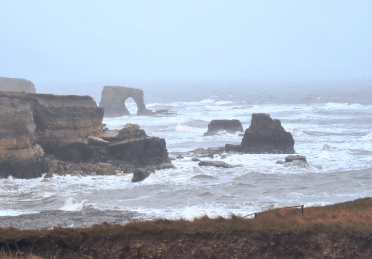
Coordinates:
<point>344,225</point>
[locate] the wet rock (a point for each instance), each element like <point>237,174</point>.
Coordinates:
<point>131,131</point>
<point>292,158</point>
<point>280,162</point>
<point>20,155</point>
<point>206,152</point>
<point>195,159</point>
<point>97,141</point>
<point>113,101</point>
<point>230,126</point>
<point>297,163</point>
<point>49,175</point>
<point>264,135</point>
<point>16,85</point>
<point>223,157</point>
<point>326,147</point>
<point>140,174</point>
<point>215,164</point>
<point>105,169</point>
<point>179,157</point>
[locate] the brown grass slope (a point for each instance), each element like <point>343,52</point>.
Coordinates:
<point>343,230</point>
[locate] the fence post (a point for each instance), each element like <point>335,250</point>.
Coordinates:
<point>302,208</point>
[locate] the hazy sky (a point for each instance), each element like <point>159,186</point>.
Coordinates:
<point>133,41</point>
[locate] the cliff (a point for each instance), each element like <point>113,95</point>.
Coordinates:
<point>20,156</point>
<point>16,85</point>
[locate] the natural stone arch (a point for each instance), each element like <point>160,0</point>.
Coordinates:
<point>113,101</point>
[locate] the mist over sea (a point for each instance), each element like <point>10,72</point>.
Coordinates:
<point>331,126</point>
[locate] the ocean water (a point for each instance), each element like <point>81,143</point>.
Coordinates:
<point>331,127</point>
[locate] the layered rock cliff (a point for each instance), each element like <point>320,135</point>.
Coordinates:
<point>20,156</point>
<point>264,135</point>
<point>16,85</point>
<point>69,129</point>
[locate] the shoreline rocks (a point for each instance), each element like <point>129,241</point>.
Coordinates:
<point>264,135</point>
<point>36,127</point>
<point>230,126</point>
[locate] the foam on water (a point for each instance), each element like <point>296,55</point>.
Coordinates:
<point>339,173</point>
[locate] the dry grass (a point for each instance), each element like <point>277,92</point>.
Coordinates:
<point>349,217</point>
<point>13,255</point>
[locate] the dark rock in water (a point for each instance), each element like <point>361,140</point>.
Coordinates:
<point>264,135</point>
<point>195,159</point>
<point>113,101</point>
<point>203,177</point>
<point>280,162</point>
<point>291,158</point>
<point>297,164</point>
<point>179,157</point>
<point>207,152</point>
<point>223,157</point>
<point>215,164</point>
<point>16,85</point>
<point>230,126</point>
<point>140,174</point>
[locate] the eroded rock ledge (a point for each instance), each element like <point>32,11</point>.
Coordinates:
<point>41,133</point>
<point>264,135</point>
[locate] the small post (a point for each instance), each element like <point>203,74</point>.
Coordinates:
<point>302,208</point>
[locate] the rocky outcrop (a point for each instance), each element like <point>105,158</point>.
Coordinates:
<point>16,85</point>
<point>20,156</point>
<point>64,123</point>
<point>230,126</point>
<point>69,129</point>
<point>264,135</point>
<point>215,164</point>
<point>113,101</point>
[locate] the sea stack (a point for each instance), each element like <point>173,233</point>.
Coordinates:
<point>113,101</point>
<point>230,126</point>
<point>264,135</point>
<point>16,85</point>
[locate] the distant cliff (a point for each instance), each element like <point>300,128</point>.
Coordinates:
<point>16,85</point>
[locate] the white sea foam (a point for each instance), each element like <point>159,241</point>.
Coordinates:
<point>73,205</point>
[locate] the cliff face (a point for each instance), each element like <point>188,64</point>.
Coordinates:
<point>20,156</point>
<point>16,85</point>
<point>68,128</point>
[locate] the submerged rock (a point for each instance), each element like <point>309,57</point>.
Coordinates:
<point>140,175</point>
<point>264,135</point>
<point>215,164</point>
<point>292,158</point>
<point>230,126</point>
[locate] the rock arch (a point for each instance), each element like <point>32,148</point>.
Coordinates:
<point>113,101</point>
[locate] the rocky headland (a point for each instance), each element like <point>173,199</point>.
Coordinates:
<point>41,133</point>
<point>16,85</point>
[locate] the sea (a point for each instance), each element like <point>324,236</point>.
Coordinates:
<point>331,126</point>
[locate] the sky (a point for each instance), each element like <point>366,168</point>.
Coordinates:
<point>123,42</point>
